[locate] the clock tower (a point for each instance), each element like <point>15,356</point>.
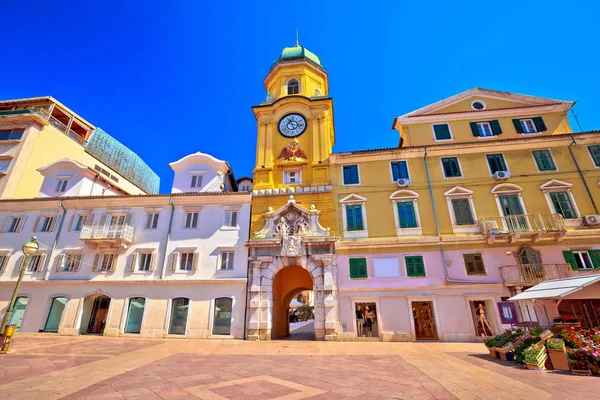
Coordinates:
<point>295,137</point>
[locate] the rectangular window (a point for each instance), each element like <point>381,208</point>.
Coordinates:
<point>406,214</point>
<point>595,153</point>
<point>562,204</point>
<point>227,260</point>
<point>196,181</point>
<point>442,132</point>
<point>152,220</point>
<point>350,174</point>
<point>544,160</point>
<point>191,220</point>
<point>451,167</point>
<point>583,260</point>
<point>4,164</point>
<point>358,268</point>
<point>474,264</point>
<point>528,126</point>
<point>144,261</point>
<point>186,262</point>
<point>354,220</point>
<point>399,170</point>
<point>79,222</point>
<point>106,262</point>
<point>46,224</point>
<point>61,185</point>
<point>462,212</point>
<point>72,262</point>
<point>496,162</point>
<point>3,261</point>
<point>292,177</point>
<point>35,263</point>
<point>414,266</point>
<point>13,224</point>
<point>13,134</point>
<point>484,129</point>
<point>231,219</point>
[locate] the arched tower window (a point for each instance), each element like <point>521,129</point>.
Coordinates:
<point>293,86</point>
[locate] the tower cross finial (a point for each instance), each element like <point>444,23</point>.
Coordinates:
<point>297,37</point>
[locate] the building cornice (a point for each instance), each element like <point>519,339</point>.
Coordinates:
<point>129,282</point>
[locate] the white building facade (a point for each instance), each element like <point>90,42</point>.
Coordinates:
<point>146,265</point>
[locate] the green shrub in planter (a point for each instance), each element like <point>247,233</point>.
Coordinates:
<point>531,353</point>
<point>519,357</point>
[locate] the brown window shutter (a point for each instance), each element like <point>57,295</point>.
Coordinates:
<point>40,266</point>
<point>153,262</point>
<point>97,260</point>
<point>37,223</point>
<point>174,260</point>
<point>133,261</point>
<point>113,265</point>
<point>195,261</point>
<point>77,262</point>
<point>128,219</point>
<point>54,222</point>
<point>59,262</point>
<point>71,221</point>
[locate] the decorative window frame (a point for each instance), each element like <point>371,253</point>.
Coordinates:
<point>354,199</point>
<point>357,170</point>
<point>392,171</point>
<point>537,168</point>
<point>43,254</point>
<point>187,210</point>
<point>458,192</point>
<point>133,260</point>
<point>405,195</point>
<point>489,124</point>
<point>175,257</point>
<point>449,129</point>
<point>226,249</point>
<point>196,173</point>
<point>287,91</point>
<point>478,101</point>
<point>231,208</point>
<point>61,178</point>
<point>460,168</point>
<point>506,189</point>
<point>536,132</point>
<point>554,185</point>
<point>285,177</point>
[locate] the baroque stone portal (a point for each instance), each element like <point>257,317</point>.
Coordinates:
<point>291,237</point>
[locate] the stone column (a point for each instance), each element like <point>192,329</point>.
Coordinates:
<point>330,293</point>
<point>254,302</point>
<point>316,270</point>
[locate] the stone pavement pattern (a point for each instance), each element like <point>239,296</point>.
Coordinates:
<point>53,367</point>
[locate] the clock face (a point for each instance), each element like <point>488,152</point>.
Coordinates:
<point>292,125</point>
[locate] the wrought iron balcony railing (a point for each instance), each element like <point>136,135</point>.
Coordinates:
<point>107,233</point>
<point>522,223</point>
<point>532,274</point>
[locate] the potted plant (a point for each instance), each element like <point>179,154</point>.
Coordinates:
<point>557,354</point>
<point>519,351</point>
<point>579,362</point>
<point>491,346</point>
<point>532,356</point>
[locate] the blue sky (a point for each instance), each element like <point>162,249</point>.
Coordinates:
<point>171,78</point>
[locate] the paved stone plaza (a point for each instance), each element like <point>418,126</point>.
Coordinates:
<point>54,367</point>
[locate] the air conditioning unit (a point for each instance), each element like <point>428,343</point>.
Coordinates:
<point>501,175</point>
<point>403,182</point>
<point>591,220</point>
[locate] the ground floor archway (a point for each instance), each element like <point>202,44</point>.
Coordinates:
<point>287,284</point>
<point>94,314</point>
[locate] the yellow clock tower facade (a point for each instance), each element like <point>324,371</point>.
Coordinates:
<point>292,243</point>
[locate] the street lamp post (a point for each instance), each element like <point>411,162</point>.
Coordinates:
<point>29,248</point>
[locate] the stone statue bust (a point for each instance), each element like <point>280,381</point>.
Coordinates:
<point>282,228</point>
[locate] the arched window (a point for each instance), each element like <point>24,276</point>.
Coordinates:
<point>56,310</point>
<point>222,316</point>
<point>293,86</point>
<point>135,315</point>
<point>179,316</point>
<point>526,255</point>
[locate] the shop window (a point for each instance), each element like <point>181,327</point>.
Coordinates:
<point>222,316</point>
<point>179,315</point>
<point>367,323</point>
<point>135,315</point>
<point>56,310</point>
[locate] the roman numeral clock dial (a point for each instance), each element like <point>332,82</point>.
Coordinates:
<point>292,125</point>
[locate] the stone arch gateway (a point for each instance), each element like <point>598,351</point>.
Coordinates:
<point>291,238</point>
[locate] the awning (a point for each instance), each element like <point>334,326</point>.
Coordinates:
<point>557,288</point>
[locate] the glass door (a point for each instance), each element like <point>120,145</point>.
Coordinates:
<point>56,311</point>
<point>513,213</point>
<point>179,314</point>
<point>222,316</point>
<point>19,312</point>
<point>135,315</point>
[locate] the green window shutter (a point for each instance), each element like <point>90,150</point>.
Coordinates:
<point>496,127</point>
<point>350,224</point>
<point>595,256</point>
<point>518,126</point>
<point>358,268</point>
<point>414,266</point>
<point>544,160</point>
<point>474,129</point>
<point>442,131</point>
<point>562,204</point>
<point>358,218</point>
<point>595,153</point>
<point>462,212</point>
<point>570,258</point>
<point>539,124</point>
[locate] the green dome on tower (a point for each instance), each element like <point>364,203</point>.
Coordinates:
<point>297,53</point>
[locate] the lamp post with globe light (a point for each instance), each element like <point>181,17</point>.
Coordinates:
<point>29,249</point>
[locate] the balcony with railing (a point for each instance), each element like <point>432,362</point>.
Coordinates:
<point>532,274</point>
<point>112,236</point>
<point>514,226</point>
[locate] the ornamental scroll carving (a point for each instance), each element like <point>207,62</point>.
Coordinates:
<point>292,220</point>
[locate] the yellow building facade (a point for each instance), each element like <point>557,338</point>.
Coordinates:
<point>489,193</point>
<point>37,132</point>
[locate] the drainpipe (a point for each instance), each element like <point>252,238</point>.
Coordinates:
<point>93,184</point>
<point>164,258</point>
<point>435,217</point>
<point>587,189</point>
<point>58,230</point>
